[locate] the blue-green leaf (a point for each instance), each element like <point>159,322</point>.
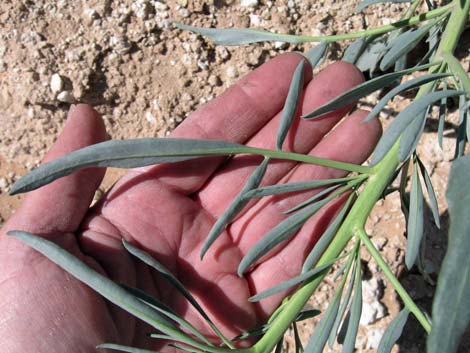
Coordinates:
<point>291,106</point>
<point>354,50</point>
<point>278,234</point>
<point>410,84</point>
<point>235,206</point>
<point>360,91</point>
<point>316,54</point>
<point>414,229</point>
<point>411,136</point>
<point>451,310</point>
<point>307,314</point>
<point>326,237</point>
<point>403,44</point>
<point>371,55</point>
<point>431,193</point>
<point>366,3</point>
<point>239,36</point>
<point>101,284</point>
<point>121,348</point>
<point>312,199</point>
<point>404,118</point>
<point>393,332</point>
<point>442,117</point>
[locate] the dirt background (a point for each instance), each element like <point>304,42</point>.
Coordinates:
<point>125,58</point>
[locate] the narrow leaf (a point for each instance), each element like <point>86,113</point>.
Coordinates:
<point>354,50</point>
<point>431,194</point>
<point>293,281</point>
<point>411,136</point>
<point>355,310</point>
<point>404,118</point>
<point>442,117</point>
<point>410,84</point>
<point>366,3</point>
<point>235,206</point>
<point>371,55</point>
<point>307,314</point>
<point>298,343</point>
<point>291,106</point>
<point>403,44</point>
<point>450,311</point>
<point>393,332</point>
<point>125,154</point>
<point>458,70</point>
<point>326,237</point>
<point>278,234</point>
<point>258,331</point>
<point>360,91</point>
<point>104,286</point>
<point>121,348</point>
<point>316,54</point>
<point>279,346</point>
<point>312,199</point>
<point>414,229</point>
<point>293,187</point>
<point>239,36</point>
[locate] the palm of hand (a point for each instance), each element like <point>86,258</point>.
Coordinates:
<point>168,210</point>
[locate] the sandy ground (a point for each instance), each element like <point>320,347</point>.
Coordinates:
<point>125,58</point>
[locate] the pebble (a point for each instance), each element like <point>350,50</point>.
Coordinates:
<point>373,338</point>
<point>57,83</point>
<point>231,71</point>
<point>4,183</point>
<point>65,97</point>
<point>255,20</point>
<point>150,118</point>
<point>249,3</point>
<point>371,312</point>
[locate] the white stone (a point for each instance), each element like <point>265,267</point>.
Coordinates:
<point>65,97</point>
<point>150,118</point>
<point>3,183</point>
<point>249,3</point>
<point>57,84</point>
<point>373,338</point>
<point>255,20</point>
<point>371,312</point>
<point>231,71</point>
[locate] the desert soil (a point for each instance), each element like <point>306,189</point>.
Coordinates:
<point>144,77</point>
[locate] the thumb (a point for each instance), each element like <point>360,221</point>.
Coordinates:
<point>59,207</point>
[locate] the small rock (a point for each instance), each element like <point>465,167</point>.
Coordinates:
<point>120,44</point>
<point>255,20</point>
<point>57,83</point>
<point>184,12</point>
<point>371,312</point>
<point>249,3</point>
<point>373,338</point>
<point>4,183</point>
<point>231,71</point>
<point>65,97</point>
<point>150,118</point>
<point>281,45</point>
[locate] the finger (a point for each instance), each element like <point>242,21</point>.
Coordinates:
<point>234,116</point>
<point>328,84</point>
<point>352,142</point>
<point>60,206</point>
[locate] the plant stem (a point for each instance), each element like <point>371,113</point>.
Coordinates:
<point>407,300</point>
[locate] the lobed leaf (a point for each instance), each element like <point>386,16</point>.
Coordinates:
<point>367,3</point>
<point>431,193</point>
<point>278,234</point>
<point>239,36</point>
<point>121,348</point>
<point>450,311</point>
<point>101,284</point>
<point>360,91</point>
<point>291,106</point>
<point>316,54</point>
<point>410,84</point>
<point>393,332</point>
<point>235,206</point>
<point>326,237</point>
<point>404,118</point>
<point>414,229</point>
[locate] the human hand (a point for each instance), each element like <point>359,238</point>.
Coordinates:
<point>167,210</point>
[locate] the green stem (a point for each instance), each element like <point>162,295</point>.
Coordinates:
<point>407,300</point>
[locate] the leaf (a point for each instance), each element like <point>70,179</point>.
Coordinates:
<point>355,310</point>
<point>293,281</point>
<point>354,50</point>
<point>370,57</point>
<point>239,36</point>
<point>410,138</point>
<point>307,314</point>
<point>461,130</point>
<point>175,282</point>
<point>410,84</point>
<point>278,234</point>
<point>258,331</point>
<point>366,3</point>
<point>312,199</point>
<point>360,91</point>
<point>404,118</point>
<point>279,346</point>
<point>442,117</point>
<point>125,154</point>
<point>431,193</point>
<point>298,343</point>
<point>414,229</point>
<point>167,311</point>
<point>235,206</point>
<point>450,311</point>
<point>293,187</point>
<point>291,106</point>
<point>326,237</point>
<point>458,70</point>
<point>403,44</point>
<point>393,332</point>
<point>104,286</point>
<point>316,54</point>
<point>118,347</point>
